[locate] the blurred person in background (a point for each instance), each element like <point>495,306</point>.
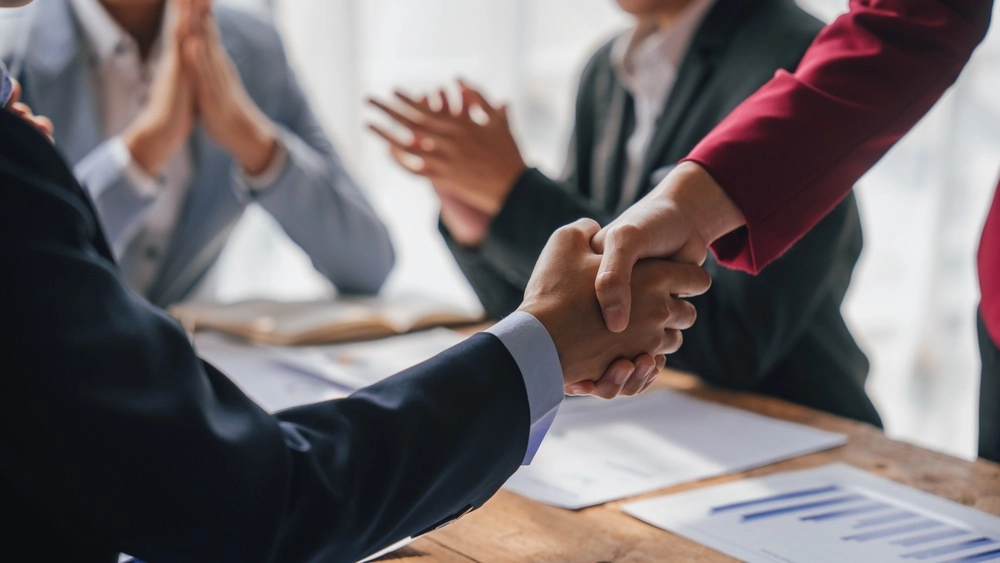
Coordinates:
<point>173,134</point>
<point>645,99</point>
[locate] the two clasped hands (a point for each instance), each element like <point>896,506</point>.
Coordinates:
<point>612,298</point>
<point>197,82</point>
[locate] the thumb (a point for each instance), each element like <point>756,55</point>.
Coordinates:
<point>621,249</point>
<point>578,233</point>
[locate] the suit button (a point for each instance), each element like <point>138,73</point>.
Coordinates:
<point>152,253</point>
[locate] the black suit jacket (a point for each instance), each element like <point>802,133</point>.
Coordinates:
<point>779,333</point>
<point>115,437</point>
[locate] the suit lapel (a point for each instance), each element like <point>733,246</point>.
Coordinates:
<point>696,70</point>
<point>610,147</point>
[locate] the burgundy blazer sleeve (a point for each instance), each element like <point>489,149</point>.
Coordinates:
<point>793,150</point>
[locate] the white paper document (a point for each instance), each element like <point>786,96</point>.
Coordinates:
<point>282,377</point>
<point>830,514</point>
<point>360,364</point>
<point>598,451</point>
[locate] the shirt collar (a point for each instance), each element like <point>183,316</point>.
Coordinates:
<point>106,37</point>
<point>640,49</point>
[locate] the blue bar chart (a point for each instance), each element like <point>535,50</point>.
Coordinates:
<point>833,513</point>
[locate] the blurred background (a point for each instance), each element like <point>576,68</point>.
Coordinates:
<point>914,296</point>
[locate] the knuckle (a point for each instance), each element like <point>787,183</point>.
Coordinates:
<point>625,233</point>
<point>672,341</point>
<point>566,230</point>
<point>608,282</point>
<point>702,279</point>
<point>688,314</point>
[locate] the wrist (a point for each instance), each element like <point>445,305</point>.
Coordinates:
<point>147,147</point>
<point>700,198</point>
<point>504,184</point>
<point>256,145</point>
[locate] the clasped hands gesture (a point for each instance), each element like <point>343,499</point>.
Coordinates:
<point>197,82</point>
<point>612,298</point>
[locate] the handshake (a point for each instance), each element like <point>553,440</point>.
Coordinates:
<point>561,295</point>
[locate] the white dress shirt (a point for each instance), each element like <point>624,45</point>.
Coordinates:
<point>531,346</point>
<point>646,61</point>
<point>121,82</point>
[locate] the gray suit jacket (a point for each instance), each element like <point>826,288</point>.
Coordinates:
<point>779,333</point>
<point>314,199</point>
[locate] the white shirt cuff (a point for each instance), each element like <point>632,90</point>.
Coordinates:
<point>535,355</point>
<point>144,184</point>
<point>267,177</point>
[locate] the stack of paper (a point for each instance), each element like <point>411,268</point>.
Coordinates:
<point>279,377</point>
<point>830,514</point>
<point>598,451</point>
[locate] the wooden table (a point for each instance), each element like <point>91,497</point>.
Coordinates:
<point>513,528</point>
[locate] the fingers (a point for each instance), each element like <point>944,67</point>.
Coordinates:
<point>43,124</point>
<point>438,122</point>
<point>182,21</point>
<point>197,57</point>
<point>443,98</point>
<point>465,111</point>
<point>15,94</point>
<point>413,147</point>
<point>645,370</point>
<point>671,341</point>
<point>621,247</point>
<point>659,277</point>
<point>399,117</point>
<point>476,98</point>
<point>576,235</point>
<point>618,375</point>
<point>625,377</point>
<point>39,122</point>
<point>411,156</point>
<point>661,362</point>
<point>581,388</point>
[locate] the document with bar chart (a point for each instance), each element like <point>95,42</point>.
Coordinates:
<point>597,451</point>
<point>830,514</point>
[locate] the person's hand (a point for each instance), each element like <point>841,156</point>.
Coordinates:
<point>15,106</point>
<point>229,116</point>
<point>594,360</point>
<point>467,224</point>
<point>474,160</point>
<point>678,220</point>
<point>167,119</point>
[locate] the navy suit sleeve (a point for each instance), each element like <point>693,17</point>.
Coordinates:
<point>116,432</point>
